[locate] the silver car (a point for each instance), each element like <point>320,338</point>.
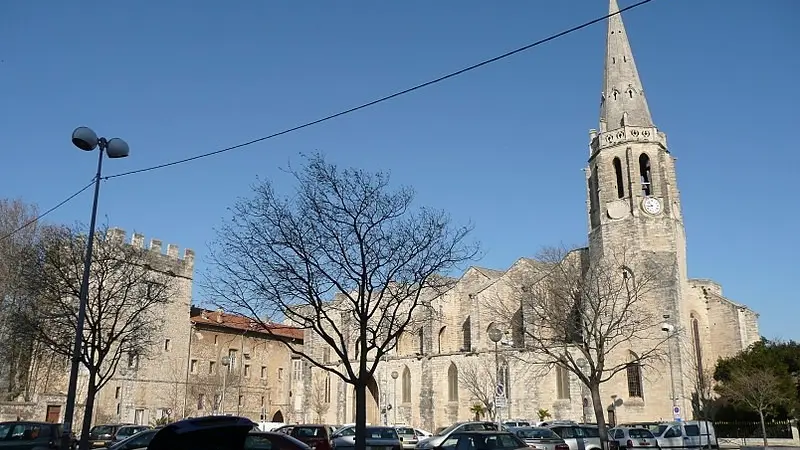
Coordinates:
<point>540,438</point>
<point>408,436</point>
<point>384,438</point>
<point>435,441</point>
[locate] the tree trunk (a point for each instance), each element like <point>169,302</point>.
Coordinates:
<point>763,427</point>
<point>361,413</point>
<point>91,394</point>
<point>599,414</point>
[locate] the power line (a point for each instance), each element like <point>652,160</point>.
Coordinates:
<point>382,99</point>
<point>42,215</point>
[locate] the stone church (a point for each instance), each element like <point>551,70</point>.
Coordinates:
<point>632,200</point>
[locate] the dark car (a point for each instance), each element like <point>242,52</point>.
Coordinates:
<point>481,440</point>
<point>139,440</point>
<point>204,433</point>
<point>270,440</point>
<point>377,437</point>
<point>103,435</point>
<point>318,437</point>
<point>127,431</point>
<point>30,435</point>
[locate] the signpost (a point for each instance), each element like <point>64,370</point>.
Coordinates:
<point>676,413</point>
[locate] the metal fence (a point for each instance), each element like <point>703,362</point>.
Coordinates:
<point>779,429</point>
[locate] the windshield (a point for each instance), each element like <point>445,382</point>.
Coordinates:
<point>381,433</point>
<point>102,429</point>
<point>406,431</point>
<point>537,433</point>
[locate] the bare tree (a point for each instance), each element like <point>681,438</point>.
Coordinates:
<point>758,389</point>
<point>19,231</point>
<point>584,314</point>
<point>479,379</point>
<point>214,390</point>
<point>346,259</point>
<point>127,292</point>
<point>320,394</point>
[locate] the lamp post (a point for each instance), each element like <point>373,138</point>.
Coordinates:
<point>226,361</point>
<point>394,396</point>
<point>495,335</point>
<point>583,364</point>
<point>669,328</point>
<point>86,139</point>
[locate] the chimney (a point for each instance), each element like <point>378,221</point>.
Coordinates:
<point>219,315</point>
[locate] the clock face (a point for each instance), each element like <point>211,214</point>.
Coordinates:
<point>651,205</point>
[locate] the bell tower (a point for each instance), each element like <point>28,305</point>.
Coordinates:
<point>633,199</point>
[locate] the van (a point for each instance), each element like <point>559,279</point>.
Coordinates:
<point>691,434</point>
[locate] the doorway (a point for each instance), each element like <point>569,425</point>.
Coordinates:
<point>278,416</point>
<point>373,406</point>
<point>53,414</point>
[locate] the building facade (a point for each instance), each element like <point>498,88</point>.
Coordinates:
<point>633,202</point>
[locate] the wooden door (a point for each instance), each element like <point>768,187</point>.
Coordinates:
<point>53,414</point>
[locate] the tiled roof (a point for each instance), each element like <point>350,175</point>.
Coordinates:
<point>241,323</point>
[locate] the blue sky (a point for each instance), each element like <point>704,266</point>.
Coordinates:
<point>502,146</point>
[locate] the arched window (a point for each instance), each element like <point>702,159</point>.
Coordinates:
<point>698,351</point>
<point>327,396</point>
<point>645,175</point>
<point>441,339</point>
<point>634,373</point>
<point>466,331</point>
<point>505,376</point>
<point>619,178</point>
<point>562,383</point>
<point>452,383</point>
<point>406,385</point>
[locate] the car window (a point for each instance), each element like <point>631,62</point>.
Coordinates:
<point>450,443</point>
<point>28,432</point>
<point>640,433</point>
<point>692,430</point>
<point>102,429</point>
<point>673,432</point>
<point>140,440</point>
<point>346,431</point>
<point>309,432</point>
<point>537,433</point>
<point>255,442</point>
<point>493,441</point>
<point>619,434</point>
<point>565,432</point>
<point>381,433</point>
<point>4,429</point>
<point>590,432</point>
<point>405,431</point>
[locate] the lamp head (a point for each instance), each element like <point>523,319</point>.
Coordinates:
<point>117,148</point>
<point>495,334</point>
<point>84,138</point>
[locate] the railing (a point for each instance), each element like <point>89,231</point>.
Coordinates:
<point>776,429</point>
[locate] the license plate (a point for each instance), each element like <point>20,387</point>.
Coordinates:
<point>644,443</point>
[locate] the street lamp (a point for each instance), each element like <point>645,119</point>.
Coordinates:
<point>495,335</point>
<point>394,395</point>
<point>86,139</point>
<point>669,328</point>
<point>226,361</point>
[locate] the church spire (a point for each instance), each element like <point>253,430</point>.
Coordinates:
<point>623,101</point>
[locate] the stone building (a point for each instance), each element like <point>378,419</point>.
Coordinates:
<point>633,202</point>
<point>237,367</point>
<point>183,374</point>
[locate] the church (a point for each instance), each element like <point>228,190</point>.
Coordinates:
<point>433,377</point>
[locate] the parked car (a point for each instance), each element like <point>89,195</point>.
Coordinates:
<point>467,440</point>
<point>516,423</point>
<point>385,437</point>
<point>435,441</point>
<point>139,440</point>
<point>21,435</point>
<point>318,437</point>
<point>270,440</point>
<point>633,437</point>
<point>540,438</point>
<point>408,436</point>
<point>127,431</point>
<point>103,435</point>
<point>577,437</point>
<point>204,433</point>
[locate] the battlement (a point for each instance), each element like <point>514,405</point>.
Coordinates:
<point>156,246</point>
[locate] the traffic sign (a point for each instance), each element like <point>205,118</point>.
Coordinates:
<point>676,413</point>
<point>500,402</point>
<point>500,390</point>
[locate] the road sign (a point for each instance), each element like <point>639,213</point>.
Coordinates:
<point>500,390</point>
<point>500,402</point>
<point>676,413</point>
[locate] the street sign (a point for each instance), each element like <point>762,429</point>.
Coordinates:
<point>500,402</point>
<point>500,390</point>
<point>676,413</point>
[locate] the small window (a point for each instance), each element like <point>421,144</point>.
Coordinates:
<point>212,367</point>
<point>247,370</point>
<point>117,392</point>
<point>619,178</point>
<point>167,345</point>
<point>216,339</point>
<point>241,400</point>
<point>201,399</point>
<point>193,366</point>
<point>280,373</point>
<point>263,372</point>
